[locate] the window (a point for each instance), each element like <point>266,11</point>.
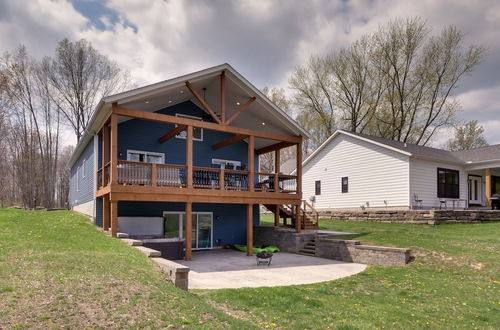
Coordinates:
<point>224,163</point>
<point>197,132</point>
<point>83,168</point>
<point>447,183</point>
<point>317,187</point>
<point>145,156</point>
<point>345,184</point>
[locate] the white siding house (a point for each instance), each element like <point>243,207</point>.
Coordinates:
<point>352,171</point>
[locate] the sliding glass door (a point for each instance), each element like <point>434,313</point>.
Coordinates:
<point>202,228</point>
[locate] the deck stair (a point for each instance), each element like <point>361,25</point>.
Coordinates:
<point>310,248</point>
<point>308,215</point>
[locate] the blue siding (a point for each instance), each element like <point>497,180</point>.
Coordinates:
<point>143,135</point>
<point>85,193</point>
<point>230,228</point>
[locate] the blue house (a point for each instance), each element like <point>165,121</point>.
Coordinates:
<point>180,159</point>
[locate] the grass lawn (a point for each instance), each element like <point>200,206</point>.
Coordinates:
<point>58,270</point>
<point>454,282</point>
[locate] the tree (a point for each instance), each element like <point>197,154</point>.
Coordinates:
<point>467,136</point>
<point>81,76</point>
<point>396,83</point>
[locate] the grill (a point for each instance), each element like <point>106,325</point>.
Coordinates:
<point>495,202</point>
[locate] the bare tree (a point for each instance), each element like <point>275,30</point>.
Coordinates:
<point>81,76</point>
<point>467,136</point>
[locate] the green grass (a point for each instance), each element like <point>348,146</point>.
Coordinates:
<point>454,282</point>
<point>58,270</point>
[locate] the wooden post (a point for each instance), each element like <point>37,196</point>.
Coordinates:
<point>189,231</point>
<point>221,179</point>
<point>114,149</point>
<point>277,215</point>
<point>298,220</point>
<point>276,171</point>
<point>249,229</point>
<point>105,152</point>
<point>251,162</point>
<point>154,175</point>
<point>223,97</point>
<point>114,218</point>
<point>189,156</point>
<point>105,212</point>
<point>299,168</point>
<point>487,186</point>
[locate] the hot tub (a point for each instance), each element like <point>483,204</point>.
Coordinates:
<point>170,248</point>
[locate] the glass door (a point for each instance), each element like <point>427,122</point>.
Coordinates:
<point>173,224</point>
<point>204,231</point>
<point>202,226</point>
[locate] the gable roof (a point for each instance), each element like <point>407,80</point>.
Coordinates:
<point>154,97</point>
<point>485,154</point>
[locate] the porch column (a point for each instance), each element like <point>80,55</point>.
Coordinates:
<point>299,168</point>
<point>277,215</point>
<point>105,212</point>
<point>114,148</point>
<point>251,155</point>
<point>189,156</point>
<point>298,220</point>
<point>487,186</point>
<point>277,170</point>
<point>249,229</point>
<point>189,229</point>
<point>114,218</point>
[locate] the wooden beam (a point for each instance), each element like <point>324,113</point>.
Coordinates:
<point>170,134</point>
<point>114,148</point>
<point>154,175</point>
<point>277,171</point>
<point>114,218</point>
<point>249,229</point>
<point>158,117</point>
<point>299,169</point>
<point>225,143</point>
<point>189,157</point>
<point>189,230</point>
<point>298,220</point>
<point>105,212</point>
<point>251,161</point>
<point>487,186</point>
<point>105,144</point>
<point>273,147</point>
<point>202,102</point>
<point>223,96</point>
<point>240,110</point>
<point>277,215</point>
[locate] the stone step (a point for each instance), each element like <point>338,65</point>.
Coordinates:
<point>308,250</point>
<point>149,252</point>
<point>132,242</point>
<point>306,253</point>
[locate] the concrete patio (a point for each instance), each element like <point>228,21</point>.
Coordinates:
<point>230,269</point>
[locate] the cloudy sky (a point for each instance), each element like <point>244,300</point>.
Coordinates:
<point>263,39</point>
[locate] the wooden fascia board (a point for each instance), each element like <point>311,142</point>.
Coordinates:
<point>240,110</point>
<point>274,147</point>
<point>229,141</point>
<point>170,134</point>
<point>158,117</point>
<point>202,102</point>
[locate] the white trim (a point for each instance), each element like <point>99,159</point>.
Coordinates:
<point>78,178</point>
<point>180,135</point>
<point>222,162</point>
<point>181,228</point>
<point>83,168</point>
<point>146,153</point>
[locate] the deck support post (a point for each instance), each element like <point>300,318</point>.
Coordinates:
<point>251,162</point>
<point>189,230</point>
<point>277,169</point>
<point>487,186</point>
<point>189,156</point>
<point>114,148</point>
<point>249,229</point>
<point>298,220</point>
<point>299,168</point>
<point>277,215</point>
<point>105,153</point>
<point>105,212</point>
<point>114,218</point>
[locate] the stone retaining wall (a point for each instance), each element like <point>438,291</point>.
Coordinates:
<point>338,249</point>
<point>432,217</point>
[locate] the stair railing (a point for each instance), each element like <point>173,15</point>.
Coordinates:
<point>309,209</point>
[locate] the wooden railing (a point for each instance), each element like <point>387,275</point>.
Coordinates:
<point>175,176</point>
<point>311,211</point>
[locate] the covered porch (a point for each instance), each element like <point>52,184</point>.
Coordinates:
<point>483,183</point>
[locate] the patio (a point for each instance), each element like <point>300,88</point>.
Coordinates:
<point>230,269</point>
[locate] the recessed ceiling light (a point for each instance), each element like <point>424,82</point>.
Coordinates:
<point>182,91</point>
<point>263,124</point>
<point>146,101</point>
<point>237,103</point>
<point>169,101</point>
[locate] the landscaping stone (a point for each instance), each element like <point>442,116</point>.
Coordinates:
<point>176,273</point>
<point>132,242</point>
<point>122,235</point>
<point>148,252</point>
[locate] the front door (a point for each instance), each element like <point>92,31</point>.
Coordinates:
<point>202,224</point>
<point>475,189</point>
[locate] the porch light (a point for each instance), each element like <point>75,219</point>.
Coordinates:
<point>263,124</point>
<point>237,103</point>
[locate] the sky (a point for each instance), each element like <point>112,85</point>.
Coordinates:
<point>265,40</point>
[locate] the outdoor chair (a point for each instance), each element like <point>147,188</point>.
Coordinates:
<point>417,202</point>
<point>442,202</point>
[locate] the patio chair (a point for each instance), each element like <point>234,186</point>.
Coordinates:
<point>442,202</point>
<point>417,202</point>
